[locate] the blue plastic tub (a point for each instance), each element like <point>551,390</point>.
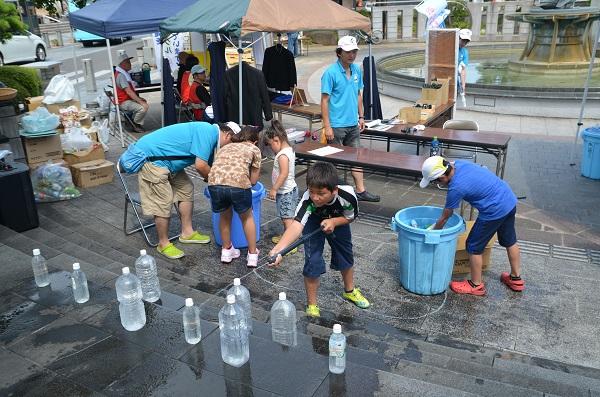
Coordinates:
<point>237,231</point>
<point>426,257</point>
<point>590,162</point>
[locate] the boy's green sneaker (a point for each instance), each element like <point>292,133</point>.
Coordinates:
<point>171,252</point>
<point>313,311</point>
<point>357,298</point>
<point>195,238</point>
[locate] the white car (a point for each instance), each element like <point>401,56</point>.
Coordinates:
<point>22,48</point>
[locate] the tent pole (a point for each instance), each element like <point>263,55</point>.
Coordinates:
<point>114,81</point>
<point>162,89</point>
<point>370,83</point>
<point>240,53</point>
<point>75,67</point>
<point>585,94</point>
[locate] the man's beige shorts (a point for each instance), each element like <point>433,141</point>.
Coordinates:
<point>159,189</point>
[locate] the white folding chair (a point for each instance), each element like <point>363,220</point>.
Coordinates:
<point>461,125</point>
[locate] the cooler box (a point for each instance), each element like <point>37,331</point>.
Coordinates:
<point>590,160</point>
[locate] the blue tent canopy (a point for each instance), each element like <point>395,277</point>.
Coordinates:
<point>119,18</point>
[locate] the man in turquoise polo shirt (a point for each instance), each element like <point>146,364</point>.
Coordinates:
<point>341,106</point>
<point>164,182</point>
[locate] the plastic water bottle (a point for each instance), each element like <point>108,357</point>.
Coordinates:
<point>40,270</point>
<point>242,297</point>
<point>191,322</point>
<point>434,150</point>
<point>131,307</point>
<point>337,350</point>
<point>235,348</point>
<point>283,322</point>
<point>145,268</point>
<point>414,223</point>
<point>79,283</point>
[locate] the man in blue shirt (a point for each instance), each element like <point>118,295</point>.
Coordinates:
<point>497,206</point>
<point>164,182</point>
<point>342,106</point>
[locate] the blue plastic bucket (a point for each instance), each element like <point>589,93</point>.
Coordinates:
<point>590,161</point>
<point>237,231</point>
<point>426,257</point>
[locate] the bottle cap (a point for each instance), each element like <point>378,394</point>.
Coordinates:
<point>142,252</point>
<point>76,266</point>
<point>230,298</point>
<point>282,296</point>
<point>435,137</point>
<point>125,270</point>
<point>236,281</point>
<point>36,251</point>
<point>189,302</point>
<point>337,328</point>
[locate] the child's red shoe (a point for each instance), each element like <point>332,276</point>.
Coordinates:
<point>516,285</point>
<point>465,287</point>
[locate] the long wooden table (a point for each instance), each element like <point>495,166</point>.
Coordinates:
<point>311,112</point>
<point>493,143</point>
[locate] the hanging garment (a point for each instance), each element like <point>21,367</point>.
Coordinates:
<point>279,68</point>
<point>168,94</point>
<point>255,95</point>
<point>371,112</point>
<point>217,80</point>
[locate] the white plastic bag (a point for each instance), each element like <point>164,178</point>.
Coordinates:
<point>53,182</point>
<point>75,140</point>
<point>59,90</point>
<point>103,132</point>
<point>40,120</point>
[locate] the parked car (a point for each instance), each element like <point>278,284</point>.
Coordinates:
<point>22,48</point>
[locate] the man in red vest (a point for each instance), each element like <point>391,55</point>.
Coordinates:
<point>199,97</point>
<point>129,101</point>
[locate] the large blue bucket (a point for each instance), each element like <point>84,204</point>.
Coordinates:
<point>237,231</point>
<point>426,257</point>
<point>590,161</point>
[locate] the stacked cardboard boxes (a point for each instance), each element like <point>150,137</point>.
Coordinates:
<point>461,259</point>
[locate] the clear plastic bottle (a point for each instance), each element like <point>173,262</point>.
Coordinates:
<point>283,322</point>
<point>235,348</point>
<point>145,269</point>
<point>414,223</point>
<point>337,350</point>
<point>242,297</point>
<point>434,150</point>
<point>131,307</point>
<point>79,284</point>
<point>40,270</point>
<point>191,322</point>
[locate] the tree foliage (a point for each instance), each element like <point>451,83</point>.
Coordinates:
<point>50,5</point>
<point>10,22</point>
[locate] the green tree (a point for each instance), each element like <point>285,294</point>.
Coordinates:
<point>10,21</point>
<point>50,5</point>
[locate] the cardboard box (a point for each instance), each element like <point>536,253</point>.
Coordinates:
<point>410,114</point>
<point>33,103</point>
<point>96,152</point>
<point>461,258</point>
<point>93,173</point>
<point>55,107</point>
<point>445,89</point>
<point>433,95</point>
<point>40,150</point>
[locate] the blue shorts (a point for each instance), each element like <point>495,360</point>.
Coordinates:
<point>341,248</point>
<point>224,197</point>
<point>286,204</point>
<point>483,231</point>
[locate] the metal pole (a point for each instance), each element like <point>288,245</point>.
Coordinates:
<point>585,94</point>
<point>240,53</point>
<point>88,75</point>
<point>370,83</point>
<point>75,67</point>
<point>116,99</point>
<point>162,87</point>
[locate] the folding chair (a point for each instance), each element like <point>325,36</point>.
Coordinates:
<point>183,107</point>
<point>126,116</point>
<point>133,199</point>
<point>462,125</point>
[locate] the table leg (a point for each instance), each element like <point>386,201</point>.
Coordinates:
<point>310,125</point>
<point>279,115</point>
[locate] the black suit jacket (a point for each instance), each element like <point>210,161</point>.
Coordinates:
<point>255,95</point>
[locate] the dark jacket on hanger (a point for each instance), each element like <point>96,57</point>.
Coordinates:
<point>279,68</point>
<point>255,96</point>
<point>217,80</point>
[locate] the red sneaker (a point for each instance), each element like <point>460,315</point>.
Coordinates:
<point>464,287</point>
<point>515,285</point>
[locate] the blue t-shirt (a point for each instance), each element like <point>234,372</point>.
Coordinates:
<point>343,94</point>
<point>463,56</point>
<point>196,139</point>
<point>478,186</point>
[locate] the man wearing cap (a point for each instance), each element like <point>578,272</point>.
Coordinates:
<point>342,108</point>
<point>496,204</point>
<point>199,97</point>
<point>464,36</point>
<point>129,101</point>
<point>163,183</point>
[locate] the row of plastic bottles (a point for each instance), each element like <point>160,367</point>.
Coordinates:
<point>235,318</point>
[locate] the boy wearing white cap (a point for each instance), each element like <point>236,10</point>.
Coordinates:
<point>464,36</point>
<point>129,100</point>
<point>342,106</point>
<point>497,206</point>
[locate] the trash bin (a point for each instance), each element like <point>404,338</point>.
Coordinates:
<point>237,231</point>
<point>590,161</point>
<point>426,257</point>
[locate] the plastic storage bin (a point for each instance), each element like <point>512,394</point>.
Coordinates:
<point>237,232</point>
<point>590,161</point>
<point>426,257</point>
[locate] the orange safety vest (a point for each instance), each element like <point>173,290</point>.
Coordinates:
<point>194,99</point>
<point>121,93</point>
<point>185,87</point>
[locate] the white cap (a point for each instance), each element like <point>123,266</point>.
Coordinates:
<point>282,296</point>
<point>76,266</point>
<point>189,302</point>
<point>234,127</point>
<point>347,43</point>
<point>197,69</point>
<point>337,328</point>
<point>231,298</point>
<point>125,270</point>
<point>432,169</point>
<point>142,252</point>
<point>123,57</point>
<point>236,282</point>
<point>465,34</point>
<point>36,251</point>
